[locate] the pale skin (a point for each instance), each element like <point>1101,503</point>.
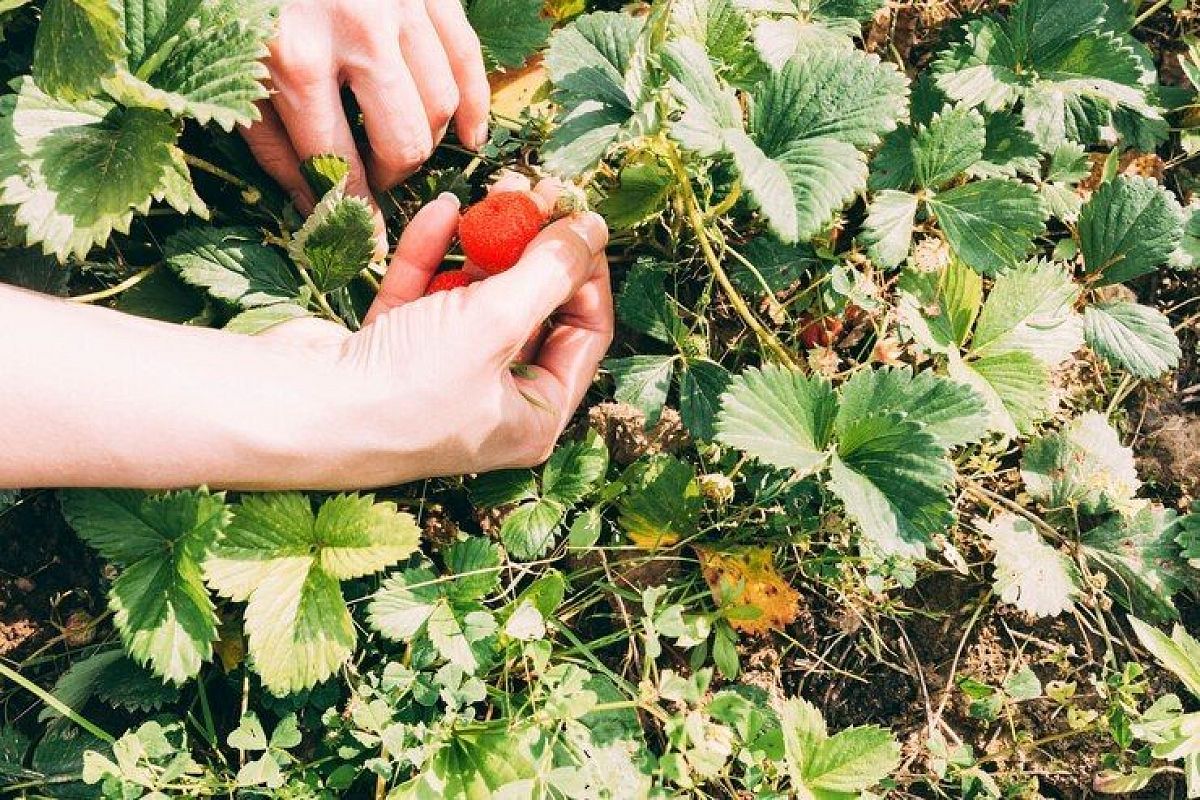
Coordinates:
<point>97,398</point>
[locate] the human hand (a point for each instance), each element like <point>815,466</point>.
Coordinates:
<point>413,65</point>
<point>431,381</point>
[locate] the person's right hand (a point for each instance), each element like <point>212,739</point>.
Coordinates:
<point>430,381</point>
<point>413,66</point>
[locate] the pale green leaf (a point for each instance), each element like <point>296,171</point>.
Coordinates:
<point>1082,465</point>
<point>981,69</point>
<point>1030,574</point>
<point>286,562</point>
<point>768,185</point>
<point>1031,309</point>
<point>582,138</point>
<point>1188,535</point>
<point>262,319</point>
<point>337,240</point>
<point>1141,559</point>
<point>162,609</point>
<point>824,175</point>
<point>1133,337</point>
<point>510,30</point>
<point>724,30</point>
<point>888,228</point>
<point>1014,385</point>
<point>843,95</point>
<point>78,171</point>
<point>641,194</point>
<point>852,761</point>
<point>1129,227</point>
<point>781,417</point>
<point>232,264</point>
<point>990,224</point>
<point>893,479</point>
<point>948,146</point>
<point>587,60</point>
<point>1179,652</point>
<point>952,413</point>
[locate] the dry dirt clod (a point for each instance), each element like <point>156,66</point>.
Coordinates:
<point>623,429</point>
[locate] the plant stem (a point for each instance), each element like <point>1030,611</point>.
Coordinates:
<point>725,206</point>
<point>1149,12</point>
<point>55,703</point>
<point>696,220</point>
<point>113,291</point>
<point>217,172</point>
<point>318,297</point>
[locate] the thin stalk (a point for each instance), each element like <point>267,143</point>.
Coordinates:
<point>318,297</point>
<point>696,220</point>
<point>113,291</point>
<point>216,172</point>
<point>725,206</point>
<point>1149,12</point>
<point>55,703</point>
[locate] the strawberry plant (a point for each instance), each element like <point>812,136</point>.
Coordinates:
<point>892,455</point>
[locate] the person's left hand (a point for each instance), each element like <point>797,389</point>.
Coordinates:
<point>413,66</point>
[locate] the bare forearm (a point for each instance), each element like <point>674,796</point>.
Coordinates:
<point>92,397</point>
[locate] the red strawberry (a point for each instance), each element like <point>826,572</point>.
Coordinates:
<point>445,281</point>
<point>821,332</point>
<point>495,231</point>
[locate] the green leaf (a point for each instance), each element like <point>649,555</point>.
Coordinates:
<point>824,175</point>
<point>583,137</point>
<point>990,224</point>
<point>852,761</point>
<point>724,30</point>
<point>779,416</point>
<point>643,382</point>
<point>503,487</point>
<point>842,95</point>
<point>285,563</point>
<point>894,480</point>
<point>1188,535</point>
<point>162,609</point>
<point>645,306</point>
<point>1030,574</point>
<point>337,240</point>
<point>1031,309</point>
<point>323,173</point>
<point>888,228</point>
<point>892,166</point>
<point>1009,150</point>
<point>642,191</point>
<point>414,602</point>
<point>588,59</point>
<point>78,171</point>
<point>777,266</point>
<point>1179,652</point>
<point>1014,385</point>
<point>701,384</point>
<point>78,43</point>
<point>575,469</point>
<point>663,503</point>
<point>510,30</point>
<point>952,413</point>
<point>30,269</point>
<point>981,69</point>
<point>475,565</point>
<point>260,320</point>
<point>528,531</point>
<point>1082,465</point>
<point>196,59</point>
<point>1130,227</point>
<point>472,765</point>
<point>1133,337</point>
<point>1141,559</point>
<point>948,146</point>
<point>233,265</point>
<point>950,301</point>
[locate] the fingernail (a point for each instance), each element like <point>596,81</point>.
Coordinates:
<point>591,227</point>
<point>450,197</point>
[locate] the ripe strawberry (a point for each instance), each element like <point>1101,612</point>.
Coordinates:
<point>495,231</point>
<point>445,281</point>
<point>821,332</point>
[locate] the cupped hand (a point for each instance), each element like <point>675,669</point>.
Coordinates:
<point>413,66</point>
<point>450,383</point>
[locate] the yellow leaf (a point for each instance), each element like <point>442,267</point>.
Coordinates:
<point>746,583</point>
<point>515,90</point>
